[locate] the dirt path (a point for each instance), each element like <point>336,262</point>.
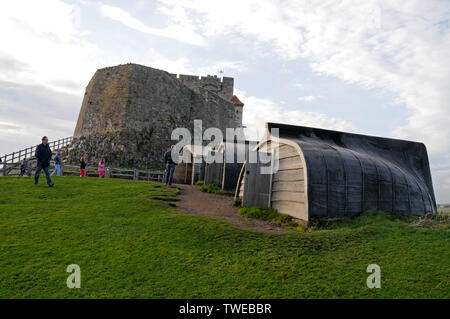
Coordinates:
<point>194,201</point>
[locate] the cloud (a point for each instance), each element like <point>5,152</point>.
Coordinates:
<point>41,44</point>
<point>261,19</point>
<point>258,111</point>
<point>227,67</point>
<point>30,112</point>
<point>395,47</point>
<point>10,128</point>
<point>10,66</point>
<point>441,179</point>
<point>183,65</point>
<point>308,98</point>
<point>183,33</point>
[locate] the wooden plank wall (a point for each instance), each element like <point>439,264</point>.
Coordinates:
<point>288,184</point>
<point>257,185</point>
<point>183,173</point>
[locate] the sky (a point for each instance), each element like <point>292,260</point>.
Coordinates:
<point>367,66</point>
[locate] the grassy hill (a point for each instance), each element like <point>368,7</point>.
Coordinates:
<point>131,247</point>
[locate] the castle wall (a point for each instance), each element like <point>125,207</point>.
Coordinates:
<point>129,112</point>
<point>238,115</point>
<point>102,108</point>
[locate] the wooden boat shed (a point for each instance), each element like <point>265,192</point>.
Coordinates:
<point>226,173</point>
<point>193,171</point>
<point>321,174</point>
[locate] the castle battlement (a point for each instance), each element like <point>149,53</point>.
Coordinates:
<point>222,86</point>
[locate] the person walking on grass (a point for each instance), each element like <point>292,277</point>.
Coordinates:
<point>57,160</point>
<point>44,155</point>
<point>170,165</point>
<point>23,167</point>
<point>82,167</point>
<point>101,168</point>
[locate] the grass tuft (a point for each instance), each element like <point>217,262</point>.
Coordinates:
<point>269,215</point>
<point>237,202</point>
<point>212,188</point>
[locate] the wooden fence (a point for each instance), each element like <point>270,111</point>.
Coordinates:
<point>74,170</point>
<point>10,165</point>
<point>28,152</point>
<point>111,172</point>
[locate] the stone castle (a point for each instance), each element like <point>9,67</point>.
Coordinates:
<point>129,111</point>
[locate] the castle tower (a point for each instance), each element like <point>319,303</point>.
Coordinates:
<point>238,109</point>
<point>129,112</point>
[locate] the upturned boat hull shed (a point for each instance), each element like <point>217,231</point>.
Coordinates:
<point>329,175</point>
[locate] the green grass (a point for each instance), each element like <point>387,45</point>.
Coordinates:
<point>269,215</point>
<point>213,189</point>
<point>129,246</point>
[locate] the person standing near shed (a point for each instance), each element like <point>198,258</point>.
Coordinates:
<point>170,165</point>
<point>43,154</point>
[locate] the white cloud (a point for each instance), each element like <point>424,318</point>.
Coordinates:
<point>157,60</point>
<point>40,44</point>
<point>394,46</point>
<point>258,111</point>
<point>184,66</point>
<point>10,128</point>
<point>263,19</point>
<point>30,112</point>
<point>227,67</point>
<point>180,32</point>
<point>308,98</point>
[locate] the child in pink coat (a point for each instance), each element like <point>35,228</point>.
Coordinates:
<point>101,168</point>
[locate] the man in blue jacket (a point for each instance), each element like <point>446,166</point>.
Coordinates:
<point>44,155</point>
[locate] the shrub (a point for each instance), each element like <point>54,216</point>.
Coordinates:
<point>199,183</point>
<point>432,221</point>
<point>211,188</point>
<point>284,219</point>
<point>237,202</point>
